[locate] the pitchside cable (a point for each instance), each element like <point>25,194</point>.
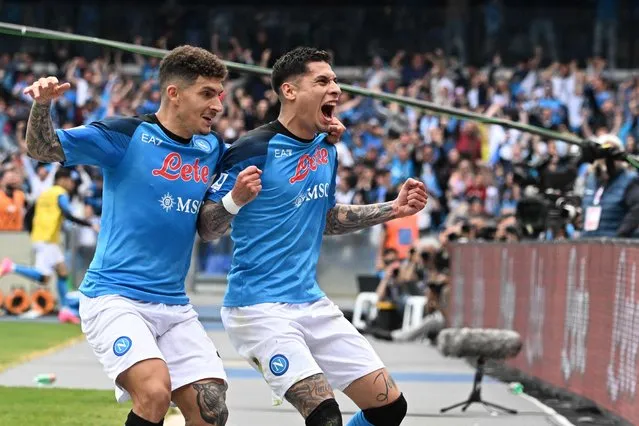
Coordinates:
<point>33,32</point>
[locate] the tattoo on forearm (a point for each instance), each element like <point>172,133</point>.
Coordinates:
<point>211,399</point>
<point>307,394</point>
<point>388,384</point>
<point>343,218</point>
<point>213,221</point>
<point>42,142</point>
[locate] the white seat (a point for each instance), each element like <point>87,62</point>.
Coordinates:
<point>365,304</point>
<point>413,312</point>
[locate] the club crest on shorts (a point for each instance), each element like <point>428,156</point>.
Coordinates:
<point>122,345</point>
<point>278,364</point>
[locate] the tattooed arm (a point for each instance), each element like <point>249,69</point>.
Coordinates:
<point>344,218</point>
<point>213,221</point>
<point>214,218</point>
<point>42,142</point>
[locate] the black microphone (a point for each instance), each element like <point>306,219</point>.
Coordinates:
<point>479,342</point>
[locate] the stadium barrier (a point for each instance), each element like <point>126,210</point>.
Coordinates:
<point>574,304</point>
<point>16,246</point>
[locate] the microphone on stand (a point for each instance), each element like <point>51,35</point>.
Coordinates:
<point>483,344</point>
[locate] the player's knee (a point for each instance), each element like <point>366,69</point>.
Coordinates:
<point>152,398</point>
<point>387,415</point>
<point>325,414</point>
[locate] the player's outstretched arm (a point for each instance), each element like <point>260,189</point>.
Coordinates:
<point>42,142</point>
<point>215,218</point>
<point>344,218</point>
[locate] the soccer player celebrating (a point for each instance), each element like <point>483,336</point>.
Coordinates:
<point>276,315</point>
<point>134,309</point>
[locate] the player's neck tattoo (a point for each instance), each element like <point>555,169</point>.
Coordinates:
<point>42,142</point>
<point>343,218</point>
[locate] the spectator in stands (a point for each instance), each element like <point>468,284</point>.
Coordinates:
<point>390,296</point>
<point>399,234</point>
<point>611,197</point>
<point>468,167</point>
<point>425,267</point>
<point>12,201</point>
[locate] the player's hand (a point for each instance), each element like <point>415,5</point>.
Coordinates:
<point>335,131</point>
<point>46,89</point>
<point>247,185</point>
<point>96,227</point>
<point>412,198</point>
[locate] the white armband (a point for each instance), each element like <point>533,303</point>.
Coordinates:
<point>229,204</point>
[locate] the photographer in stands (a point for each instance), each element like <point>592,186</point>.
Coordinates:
<point>611,195</point>
<point>430,267</point>
<point>390,294</point>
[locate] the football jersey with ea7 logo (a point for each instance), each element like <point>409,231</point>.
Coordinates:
<point>277,237</point>
<point>154,184</point>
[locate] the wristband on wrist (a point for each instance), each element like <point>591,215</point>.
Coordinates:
<point>229,204</point>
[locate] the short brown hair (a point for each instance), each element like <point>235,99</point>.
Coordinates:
<point>187,63</point>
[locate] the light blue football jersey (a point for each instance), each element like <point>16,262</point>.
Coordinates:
<point>277,237</point>
<point>154,184</point>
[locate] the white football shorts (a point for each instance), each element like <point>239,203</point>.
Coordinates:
<point>287,343</point>
<point>123,332</point>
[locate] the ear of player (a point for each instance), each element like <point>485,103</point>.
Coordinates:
<point>46,89</point>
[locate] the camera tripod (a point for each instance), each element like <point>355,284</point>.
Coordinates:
<point>475,394</point>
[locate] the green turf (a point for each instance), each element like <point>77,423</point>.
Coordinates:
<point>19,339</point>
<point>60,407</point>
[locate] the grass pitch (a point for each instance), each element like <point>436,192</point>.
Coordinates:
<point>60,407</point>
<point>22,341</point>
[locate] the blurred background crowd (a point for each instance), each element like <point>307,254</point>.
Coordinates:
<point>565,70</point>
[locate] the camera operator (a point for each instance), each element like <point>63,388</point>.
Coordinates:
<point>435,264</point>
<point>611,194</point>
<point>413,271</point>
<point>390,294</point>
<point>549,210</point>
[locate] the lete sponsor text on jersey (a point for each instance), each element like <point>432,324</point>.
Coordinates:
<point>174,168</point>
<point>308,163</point>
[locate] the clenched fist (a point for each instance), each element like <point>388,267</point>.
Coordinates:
<point>335,131</point>
<point>412,198</point>
<point>46,89</point>
<point>247,185</point>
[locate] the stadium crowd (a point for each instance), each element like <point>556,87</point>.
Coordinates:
<point>476,174</point>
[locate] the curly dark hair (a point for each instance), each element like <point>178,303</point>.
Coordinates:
<point>187,63</point>
<point>293,63</point>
